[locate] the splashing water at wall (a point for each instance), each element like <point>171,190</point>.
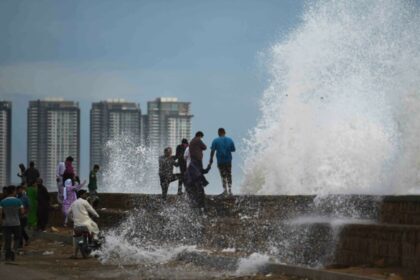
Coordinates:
<point>340,113</point>
<point>131,168</point>
<point>339,117</point>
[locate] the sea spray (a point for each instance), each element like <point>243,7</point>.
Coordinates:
<point>130,168</point>
<point>340,113</point>
<point>155,236</point>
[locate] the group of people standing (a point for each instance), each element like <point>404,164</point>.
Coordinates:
<point>35,198</point>
<point>28,205</point>
<point>189,159</point>
<point>22,206</point>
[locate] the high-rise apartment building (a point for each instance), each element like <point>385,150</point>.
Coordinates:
<point>168,121</point>
<point>5,141</point>
<point>53,135</point>
<point>110,119</point>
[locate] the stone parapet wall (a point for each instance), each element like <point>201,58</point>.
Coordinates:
<point>383,245</point>
<point>401,210</point>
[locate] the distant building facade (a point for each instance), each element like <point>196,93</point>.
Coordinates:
<point>53,134</point>
<point>168,121</point>
<point>110,119</point>
<point>5,142</point>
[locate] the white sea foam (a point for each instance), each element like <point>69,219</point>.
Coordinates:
<point>117,250</point>
<point>340,114</point>
<point>252,264</point>
<point>131,167</point>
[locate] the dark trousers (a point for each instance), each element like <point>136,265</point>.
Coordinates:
<point>165,180</point>
<point>225,170</point>
<point>196,194</point>
<point>23,234</point>
<point>43,217</point>
<point>181,179</point>
<point>7,235</point>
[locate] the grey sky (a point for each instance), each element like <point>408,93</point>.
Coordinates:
<point>206,52</point>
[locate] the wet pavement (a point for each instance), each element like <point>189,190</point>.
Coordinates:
<point>50,260</point>
<point>44,259</point>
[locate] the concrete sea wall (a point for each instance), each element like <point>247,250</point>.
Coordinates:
<point>257,223</point>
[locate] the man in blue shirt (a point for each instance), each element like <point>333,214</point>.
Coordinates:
<point>21,194</point>
<point>223,146</point>
<point>10,210</point>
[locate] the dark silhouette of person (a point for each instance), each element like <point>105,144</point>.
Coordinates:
<point>43,205</point>
<point>166,166</point>
<point>196,148</point>
<point>180,150</point>
<point>31,174</point>
<point>20,193</point>
<point>21,174</point>
<point>194,185</point>
<point>194,179</point>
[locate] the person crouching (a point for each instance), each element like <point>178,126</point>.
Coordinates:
<point>166,167</point>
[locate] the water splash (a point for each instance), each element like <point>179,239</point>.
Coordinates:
<point>131,168</point>
<point>252,264</point>
<point>156,236</point>
<point>340,113</point>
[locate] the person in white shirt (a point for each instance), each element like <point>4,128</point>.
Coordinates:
<point>79,212</point>
<point>187,156</point>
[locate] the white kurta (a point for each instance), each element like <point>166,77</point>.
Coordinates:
<point>79,213</point>
<point>187,156</point>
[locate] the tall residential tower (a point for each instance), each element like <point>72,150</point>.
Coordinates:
<point>111,119</point>
<point>53,134</point>
<point>5,142</point>
<point>168,121</point>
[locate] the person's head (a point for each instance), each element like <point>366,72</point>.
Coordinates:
<point>221,131</point>
<point>31,164</point>
<point>22,167</point>
<point>96,167</point>
<point>68,183</point>
<point>167,151</point>
<point>184,142</point>
<point>69,159</point>
<point>82,194</point>
<point>33,183</point>
<point>39,181</point>
<point>20,189</point>
<point>11,190</point>
<point>199,134</point>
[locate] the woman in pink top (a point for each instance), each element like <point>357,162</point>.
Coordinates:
<point>69,196</point>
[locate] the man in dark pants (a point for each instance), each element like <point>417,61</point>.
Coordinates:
<point>194,184</point>
<point>24,217</point>
<point>194,178</point>
<point>10,210</point>
<point>180,151</point>
<point>166,166</point>
<point>223,146</point>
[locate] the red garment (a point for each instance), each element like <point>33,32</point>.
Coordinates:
<point>69,172</point>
